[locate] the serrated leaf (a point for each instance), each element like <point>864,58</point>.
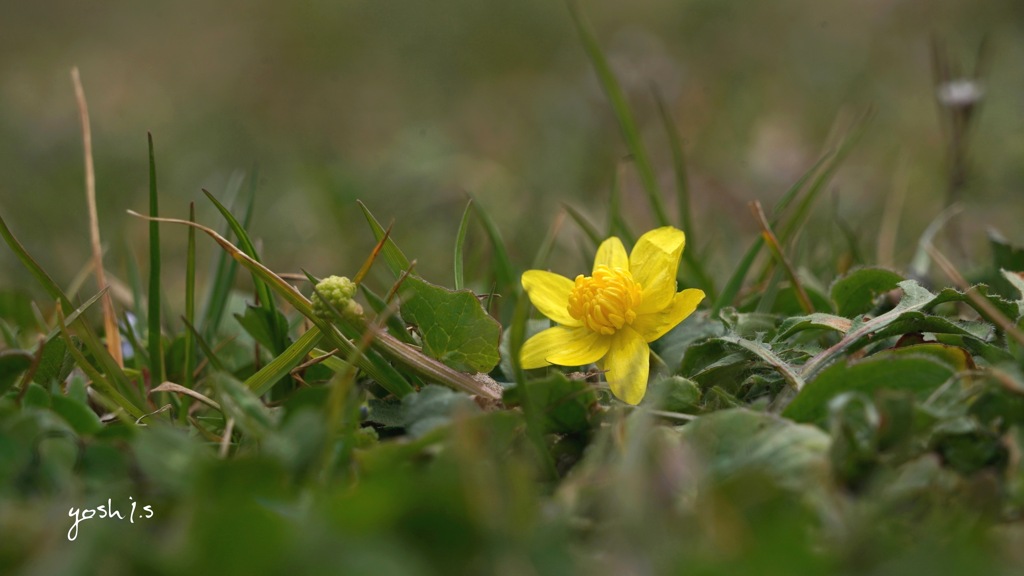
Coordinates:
<point>567,405</point>
<point>455,328</point>
<point>432,407</point>
<point>908,315</point>
<point>855,293</point>
<point>764,352</point>
<point>900,369</point>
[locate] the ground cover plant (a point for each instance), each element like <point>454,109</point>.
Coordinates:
<point>656,409</point>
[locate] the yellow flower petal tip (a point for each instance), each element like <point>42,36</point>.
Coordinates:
<point>611,316</point>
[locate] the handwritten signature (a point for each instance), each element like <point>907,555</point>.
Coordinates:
<point>105,511</point>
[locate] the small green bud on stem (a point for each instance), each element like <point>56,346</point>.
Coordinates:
<point>337,291</point>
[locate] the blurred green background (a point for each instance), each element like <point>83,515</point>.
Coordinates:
<point>408,105</point>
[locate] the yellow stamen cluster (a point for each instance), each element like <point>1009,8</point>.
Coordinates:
<point>606,301</point>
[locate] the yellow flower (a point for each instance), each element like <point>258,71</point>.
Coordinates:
<point>610,316</point>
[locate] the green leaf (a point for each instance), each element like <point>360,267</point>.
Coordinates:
<point>77,414</point>
<point>56,363</point>
<point>12,364</point>
<point>1005,256</point>
<point>36,396</point>
<point>240,403</point>
<point>855,293</point>
<point>432,407</point>
<point>456,330</point>
<point>268,327</point>
<point>900,369</point>
<point>816,321</point>
<point>765,353</point>
<point>908,315</point>
<point>674,394</point>
<point>385,411</point>
<point>567,406</point>
<point>739,442</point>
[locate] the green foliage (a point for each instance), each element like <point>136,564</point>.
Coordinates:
<point>873,427</point>
<point>455,328</point>
<point>567,406</point>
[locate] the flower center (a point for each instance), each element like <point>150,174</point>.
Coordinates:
<point>606,301</point>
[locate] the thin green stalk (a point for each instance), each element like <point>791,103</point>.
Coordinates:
<point>460,239</point>
<point>620,107</point>
<point>190,312</point>
<point>155,346</point>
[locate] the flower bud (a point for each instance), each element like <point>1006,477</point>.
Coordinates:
<point>337,292</point>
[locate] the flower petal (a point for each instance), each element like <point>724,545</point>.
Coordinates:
<point>549,293</point>
<point>612,253</point>
<point>627,366</point>
<point>563,346</point>
<point>653,263</point>
<point>655,325</point>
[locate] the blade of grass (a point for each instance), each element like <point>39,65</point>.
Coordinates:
<point>266,298</point>
<point>675,146</point>
<point>620,107</point>
<point>225,267</point>
<point>735,283</point>
<point>386,375</point>
<point>846,144</point>
<point>892,214</point>
<point>616,223</point>
<point>460,239</point>
<point>109,316</point>
<point>189,361</point>
<point>35,269</point>
<point>190,298</point>
<point>533,415</point>
<point>544,252</point>
<point>585,225</point>
<point>776,250</point>
<point>394,257</point>
<point>211,355</point>
<point>704,280</point>
<point>88,335</point>
<point>261,382</point>
<point>105,386</point>
<point>503,270</point>
<point>393,322</point>
<point>155,344</point>
<point>188,392</point>
<point>365,269</point>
